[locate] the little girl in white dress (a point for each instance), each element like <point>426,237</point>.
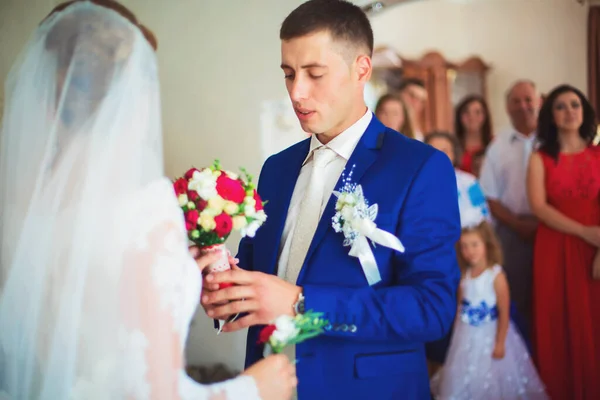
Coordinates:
<point>487,358</point>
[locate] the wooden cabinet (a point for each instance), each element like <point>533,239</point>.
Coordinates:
<point>447,82</point>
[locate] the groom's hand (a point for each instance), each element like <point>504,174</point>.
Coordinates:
<point>262,297</point>
<point>203,262</point>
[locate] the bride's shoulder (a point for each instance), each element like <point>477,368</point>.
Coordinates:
<point>161,187</point>
<point>155,199</point>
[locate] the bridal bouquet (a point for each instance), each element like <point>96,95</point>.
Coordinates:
<point>216,202</point>
<point>286,330</point>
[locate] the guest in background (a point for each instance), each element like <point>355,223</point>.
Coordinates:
<point>477,162</point>
<point>503,182</point>
<point>414,94</point>
<point>488,358</point>
<point>393,113</point>
<point>564,191</point>
<point>473,128</point>
<point>470,194</point>
<point>470,198</point>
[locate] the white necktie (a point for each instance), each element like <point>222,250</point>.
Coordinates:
<point>310,213</point>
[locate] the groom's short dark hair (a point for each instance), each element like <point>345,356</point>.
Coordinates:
<point>342,19</point>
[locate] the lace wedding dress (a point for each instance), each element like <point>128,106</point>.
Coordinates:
<point>169,283</point>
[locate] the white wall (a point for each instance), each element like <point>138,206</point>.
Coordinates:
<point>543,40</point>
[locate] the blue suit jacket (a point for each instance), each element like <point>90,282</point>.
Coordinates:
<point>374,347</point>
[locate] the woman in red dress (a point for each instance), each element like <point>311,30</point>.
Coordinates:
<point>473,128</point>
<point>563,185</point>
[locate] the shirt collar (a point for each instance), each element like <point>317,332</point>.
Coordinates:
<point>516,135</point>
<point>344,143</point>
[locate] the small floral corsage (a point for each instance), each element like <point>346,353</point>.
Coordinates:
<point>287,330</point>
<point>355,218</point>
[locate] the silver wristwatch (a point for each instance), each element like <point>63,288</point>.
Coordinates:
<point>299,305</point>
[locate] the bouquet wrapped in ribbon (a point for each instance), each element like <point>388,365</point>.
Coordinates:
<point>216,202</point>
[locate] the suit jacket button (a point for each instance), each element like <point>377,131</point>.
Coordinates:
<point>353,328</point>
<point>344,328</point>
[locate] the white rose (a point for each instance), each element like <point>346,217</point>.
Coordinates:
<point>250,229</point>
<point>239,222</point>
<point>210,211</point>
<point>233,176</point>
<point>216,174</point>
<point>207,221</point>
<point>351,199</point>
<point>261,216</point>
<point>183,199</point>
<point>216,203</point>
<point>348,213</point>
<point>285,329</point>
<point>249,200</point>
<point>249,210</point>
<point>204,183</point>
<point>230,207</point>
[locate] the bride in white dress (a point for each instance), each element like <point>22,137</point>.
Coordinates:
<point>97,285</point>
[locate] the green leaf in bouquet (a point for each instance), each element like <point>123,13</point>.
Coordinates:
<point>216,166</point>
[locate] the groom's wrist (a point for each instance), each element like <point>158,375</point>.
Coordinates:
<point>298,306</point>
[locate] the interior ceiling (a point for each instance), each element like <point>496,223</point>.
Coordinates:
<point>372,6</point>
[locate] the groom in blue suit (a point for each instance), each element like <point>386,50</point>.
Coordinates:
<point>373,347</point>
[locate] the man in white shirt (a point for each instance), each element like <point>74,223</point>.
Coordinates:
<point>502,178</point>
<point>379,317</point>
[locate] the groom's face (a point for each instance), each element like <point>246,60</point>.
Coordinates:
<point>322,82</point>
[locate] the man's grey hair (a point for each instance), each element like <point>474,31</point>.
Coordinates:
<point>517,83</point>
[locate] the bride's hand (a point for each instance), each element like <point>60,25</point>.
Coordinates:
<point>204,260</point>
<point>275,377</point>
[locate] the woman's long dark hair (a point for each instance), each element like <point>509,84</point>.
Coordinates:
<point>547,132</point>
<point>486,128</point>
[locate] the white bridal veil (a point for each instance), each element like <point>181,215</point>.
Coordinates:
<point>81,134</point>
<point>97,287</point>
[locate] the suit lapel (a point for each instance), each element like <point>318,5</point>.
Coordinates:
<point>286,181</point>
<point>362,158</point>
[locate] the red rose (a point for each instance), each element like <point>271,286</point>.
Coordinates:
<point>189,173</point>
<point>259,205</point>
<point>224,225</point>
<point>180,186</point>
<point>193,195</point>
<point>201,204</point>
<point>265,334</point>
<point>230,189</point>
<point>191,219</point>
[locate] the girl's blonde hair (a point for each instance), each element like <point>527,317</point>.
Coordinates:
<point>493,250</point>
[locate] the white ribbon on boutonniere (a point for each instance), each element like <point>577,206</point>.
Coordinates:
<point>355,218</point>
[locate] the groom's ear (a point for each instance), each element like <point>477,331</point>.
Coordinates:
<point>364,68</point>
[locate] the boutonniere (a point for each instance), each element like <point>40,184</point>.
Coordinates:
<point>355,218</point>
<point>286,330</point>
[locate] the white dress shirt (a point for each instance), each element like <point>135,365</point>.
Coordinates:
<point>504,170</point>
<point>343,145</point>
